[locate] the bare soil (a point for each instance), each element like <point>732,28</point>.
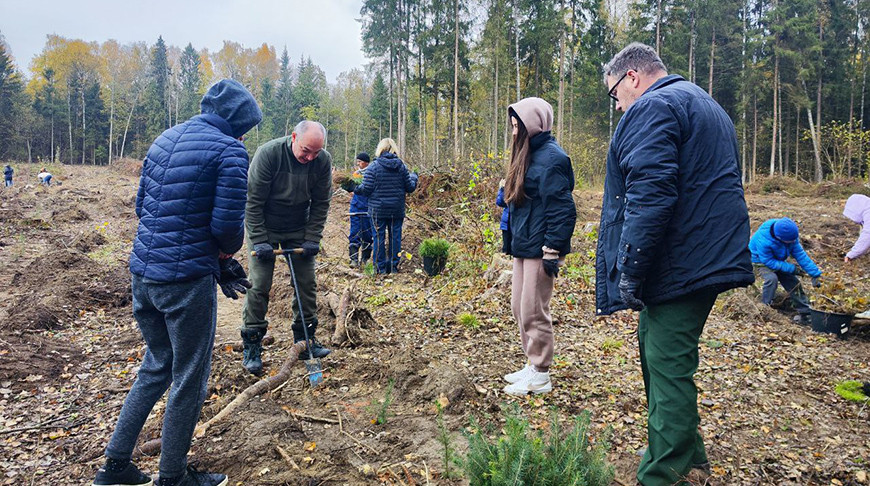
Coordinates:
<point>69,350</point>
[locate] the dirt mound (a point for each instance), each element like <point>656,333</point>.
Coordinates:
<point>72,213</point>
<point>127,166</point>
<point>54,288</point>
<point>89,240</point>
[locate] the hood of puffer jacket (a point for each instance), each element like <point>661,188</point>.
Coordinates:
<point>858,208</point>
<point>390,161</point>
<point>230,100</point>
<point>535,113</point>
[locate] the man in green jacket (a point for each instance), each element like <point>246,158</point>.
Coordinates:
<point>289,189</point>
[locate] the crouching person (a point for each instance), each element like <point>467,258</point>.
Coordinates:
<point>191,207</point>
<point>771,245</point>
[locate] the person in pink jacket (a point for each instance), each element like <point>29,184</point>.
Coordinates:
<point>858,210</point>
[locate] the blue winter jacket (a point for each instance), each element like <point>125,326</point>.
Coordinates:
<point>772,253</point>
<point>191,201</point>
<point>385,183</point>
<point>505,213</point>
<point>547,216</point>
<point>673,213</point>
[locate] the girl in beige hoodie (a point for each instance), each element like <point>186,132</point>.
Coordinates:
<point>542,217</point>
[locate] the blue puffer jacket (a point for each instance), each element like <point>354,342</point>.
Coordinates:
<point>192,192</point>
<point>673,212</point>
<point>772,253</point>
<point>385,183</point>
<point>547,216</point>
<point>505,213</point>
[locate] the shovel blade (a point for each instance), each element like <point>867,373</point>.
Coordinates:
<point>315,372</point>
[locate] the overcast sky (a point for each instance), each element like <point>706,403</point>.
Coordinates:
<point>325,30</point>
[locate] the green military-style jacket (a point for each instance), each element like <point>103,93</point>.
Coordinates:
<point>287,200</point>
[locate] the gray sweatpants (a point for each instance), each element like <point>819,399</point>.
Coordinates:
<point>531,291</point>
<point>177,321</point>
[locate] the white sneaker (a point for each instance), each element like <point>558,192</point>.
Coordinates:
<point>517,375</point>
<point>863,315</point>
<point>535,382</point>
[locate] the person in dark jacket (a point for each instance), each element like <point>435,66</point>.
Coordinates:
<point>191,205</point>
<point>542,217</point>
<point>504,223</point>
<point>360,236</point>
<point>289,191</point>
<point>385,184</point>
<point>8,171</point>
<point>771,245</point>
<point>673,235</point>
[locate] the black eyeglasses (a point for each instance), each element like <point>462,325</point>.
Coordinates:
<point>610,93</point>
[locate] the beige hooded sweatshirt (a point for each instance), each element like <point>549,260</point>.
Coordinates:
<point>535,113</point>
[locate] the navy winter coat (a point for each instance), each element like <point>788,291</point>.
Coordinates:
<point>359,203</point>
<point>191,201</point>
<point>547,216</point>
<point>773,253</point>
<point>385,183</point>
<point>674,213</point>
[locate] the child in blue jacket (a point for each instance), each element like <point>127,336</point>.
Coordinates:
<point>771,245</point>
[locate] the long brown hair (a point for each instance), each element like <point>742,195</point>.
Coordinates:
<point>519,164</point>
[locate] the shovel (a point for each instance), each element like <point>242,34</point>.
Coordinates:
<point>312,364</point>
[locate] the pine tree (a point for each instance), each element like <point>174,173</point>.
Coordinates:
<point>191,83</point>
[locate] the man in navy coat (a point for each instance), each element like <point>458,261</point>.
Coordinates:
<point>674,233</point>
<point>191,208</point>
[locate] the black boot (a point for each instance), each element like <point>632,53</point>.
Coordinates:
<point>252,339</point>
<point>317,349</point>
<point>353,251</point>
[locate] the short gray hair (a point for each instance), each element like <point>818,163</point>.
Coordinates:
<point>304,125</point>
<point>635,56</point>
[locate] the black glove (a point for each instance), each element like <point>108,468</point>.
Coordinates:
<point>264,251</point>
<point>349,185</point>
<point>310,248</point>
<point>816,282</point>
<point>551,267</point>
<point>233,278</point>
<point>799,272</point>
<point>629,292</point>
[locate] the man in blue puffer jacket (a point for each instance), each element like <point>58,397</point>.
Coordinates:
<point>385,183</point>
<point>771,245</point>
<point>191,206</point>
<point>673,235</point>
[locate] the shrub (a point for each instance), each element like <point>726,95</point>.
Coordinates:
<point>434,247</point>
<point>522,456</point>
<point>469,320</point>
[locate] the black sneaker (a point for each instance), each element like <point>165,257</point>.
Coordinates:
<point>192,477</point>
<point>130,476</point>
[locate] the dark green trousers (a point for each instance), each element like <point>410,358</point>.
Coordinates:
<point>669,335</point>
<point>257,298</point>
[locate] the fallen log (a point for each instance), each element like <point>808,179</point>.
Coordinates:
<point>152,447</point>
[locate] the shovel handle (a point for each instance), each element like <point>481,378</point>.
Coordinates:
<point>298,251</point>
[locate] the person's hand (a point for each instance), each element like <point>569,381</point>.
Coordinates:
<point>233,279</point>
<point>310,248</point>
<point>629,292</point>
<point>501,184</point>
<point>551,267</point>
<point>846,260</point>
<point>349,185</point>
<point>799,272</point>
<point>264,251</point>
<point>816,282</point>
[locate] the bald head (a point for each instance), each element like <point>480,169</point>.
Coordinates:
<point>307,140</point>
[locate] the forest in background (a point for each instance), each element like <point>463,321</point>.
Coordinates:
<point>791,74</point>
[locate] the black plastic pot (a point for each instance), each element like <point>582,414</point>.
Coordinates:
<point>831,322</point>
<point>434,265</point>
